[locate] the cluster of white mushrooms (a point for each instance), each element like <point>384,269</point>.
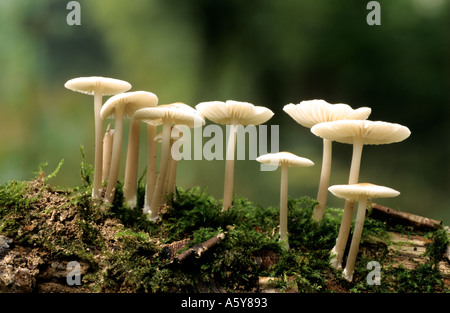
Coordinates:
<point>340,123</point>
<point>332,122</point>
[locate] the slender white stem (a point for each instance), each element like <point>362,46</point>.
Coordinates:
<point>283,206</point>
<point>151,166</point>
<point>98,167</point>
<point>131,166</point>
<point>356,161</point>
<point>346,221</point>
<point>157,194</point>
<point>354,247</point>
<point>229,169</point>
<point>115,158</point>
<point>169,168</point>
<point>324,183</point>
<point>173,171</point>
<point>107,152</point>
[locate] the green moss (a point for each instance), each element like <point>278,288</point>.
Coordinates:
<point>123,248</point>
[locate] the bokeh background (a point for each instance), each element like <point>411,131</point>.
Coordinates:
<point>266,52</point>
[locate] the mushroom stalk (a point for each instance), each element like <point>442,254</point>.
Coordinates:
<point>98,167</point>
<point>158,193</point>
<point>322,193</point>
<point>346,221</point>
<point>359,224</point>
<point>173,172</point>
<point>229,168</point>
<point>131,167</point>
<point>283,206</point>
<point>107,151</point>
<point>151,166</point>
<point>356,161</point>
<point>166,190</point>
<point>115,158</point>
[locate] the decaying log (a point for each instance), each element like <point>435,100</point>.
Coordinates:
<point>198,250</point>
<point>388,214</point>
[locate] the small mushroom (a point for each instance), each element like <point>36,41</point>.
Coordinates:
<point>362,193</point>
<point>232,113</point>
<point>312,112</point>
<point>123,106</point>
<point>358,133</point>
<point>285,160</point>
<point>98,87</point>
<point>167,115</point>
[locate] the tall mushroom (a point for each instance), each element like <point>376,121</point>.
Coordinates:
<point>311,112</point>
<point>361,193</point>
<point>98,87</point>
<point>167,115</point>
<point>285,160</point>
<point>232,113</point>
<point>123,106</point>
<point>357,133</point>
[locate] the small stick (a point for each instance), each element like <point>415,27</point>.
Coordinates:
<point>198,250</point>
<point>384,213</point>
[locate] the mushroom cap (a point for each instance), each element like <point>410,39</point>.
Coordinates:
<point>242,113</point>
<point>283,158</point>
<point>370,132</point>
<point>311,112</point>
<point>362,190</point>
<point>88,85</point>
<point>131,101</point>
<point>177,113</point>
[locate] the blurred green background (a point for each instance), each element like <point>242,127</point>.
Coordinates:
<point>266,52</point>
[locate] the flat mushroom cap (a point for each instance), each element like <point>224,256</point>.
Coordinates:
<point>176,113</point>
<point>280,158</point>
<point>242,113</point>
<point>370,132</point>
<point>88,85</point>
<point>362,190</point>
<point>311,112</point>
<point>132,101</point>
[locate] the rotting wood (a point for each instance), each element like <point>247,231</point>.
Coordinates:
<point>199,249</point>
<point>408,250</point>
<point>388,214</point>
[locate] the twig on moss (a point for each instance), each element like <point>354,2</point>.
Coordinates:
<point>386,213</point>
<point>199,249</point>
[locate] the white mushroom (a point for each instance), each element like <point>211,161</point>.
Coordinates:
<point>232,113</point>
<point>312,112</point>
<point>362,193</point>
<point>167,115</point>
<point>98,87</point>
<point>285,160</point>
<point>122,106</point>
<point>358,133</point>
